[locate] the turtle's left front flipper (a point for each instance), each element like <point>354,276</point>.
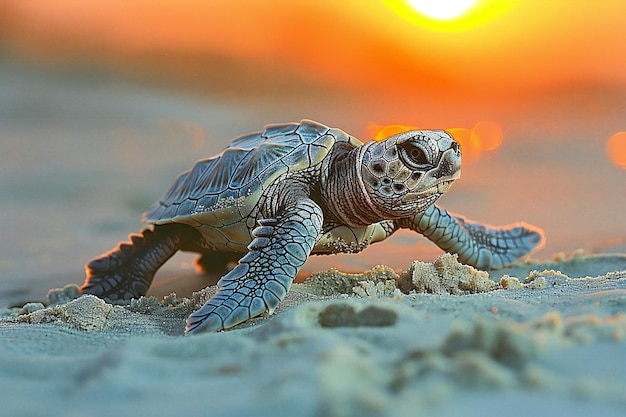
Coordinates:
<point>477,244</point>
<point>264,275</point>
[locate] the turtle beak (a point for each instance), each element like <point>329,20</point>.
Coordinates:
<point>450,165</point>
<point>439,188</point>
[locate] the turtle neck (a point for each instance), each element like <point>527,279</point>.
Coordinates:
<point>344,192</point>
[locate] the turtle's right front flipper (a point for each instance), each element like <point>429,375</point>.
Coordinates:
<point>126,272</point>
<point>264,275</point>
<point>477,244</point>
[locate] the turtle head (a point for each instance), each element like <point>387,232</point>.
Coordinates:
<point>406,173</point>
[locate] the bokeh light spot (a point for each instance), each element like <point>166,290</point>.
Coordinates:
<point>383,132</point>
<point>487,135</point>
<point>616,148</point>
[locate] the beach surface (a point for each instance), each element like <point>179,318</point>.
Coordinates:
<point>438,339</point>
<point>84,152</point>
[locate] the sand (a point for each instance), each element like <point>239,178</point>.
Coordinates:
<point>438,339</point>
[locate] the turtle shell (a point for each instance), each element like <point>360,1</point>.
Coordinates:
<point>225,189</point>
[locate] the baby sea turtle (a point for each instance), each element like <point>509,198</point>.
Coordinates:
<point>297,189</point>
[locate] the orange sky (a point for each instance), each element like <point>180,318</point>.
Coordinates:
<point>502,47</point>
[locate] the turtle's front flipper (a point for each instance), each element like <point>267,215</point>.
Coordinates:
<point>126,272</point>
<point>480,245</point>
<point>263,276</point>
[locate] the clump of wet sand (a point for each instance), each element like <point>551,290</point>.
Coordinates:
<point>67,307</point>
<point>87,313</point>
<point>446,275</point>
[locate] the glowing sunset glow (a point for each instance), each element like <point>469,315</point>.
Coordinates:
<point>616,148</point>
<point>495,48</point>
<point>442,9</point>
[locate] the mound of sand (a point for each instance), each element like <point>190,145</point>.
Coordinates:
<point>444,276</point>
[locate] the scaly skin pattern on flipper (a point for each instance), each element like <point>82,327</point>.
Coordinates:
<point>264,275</point>
<point>127,271</point>
<point>477,244</point>
<point>296,189</point>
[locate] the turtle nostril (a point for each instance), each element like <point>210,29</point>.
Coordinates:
<point>455,147</point>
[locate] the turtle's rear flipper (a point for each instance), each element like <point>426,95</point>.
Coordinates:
<point>126,272</point>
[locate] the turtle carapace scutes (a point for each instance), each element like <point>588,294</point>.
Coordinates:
<point>293,190</point>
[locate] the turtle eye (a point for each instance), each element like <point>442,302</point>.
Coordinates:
<point>413,154</point>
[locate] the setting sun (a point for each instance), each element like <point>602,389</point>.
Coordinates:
<point>442,9</point>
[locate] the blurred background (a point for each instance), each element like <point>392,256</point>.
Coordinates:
<point>102,104</point>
